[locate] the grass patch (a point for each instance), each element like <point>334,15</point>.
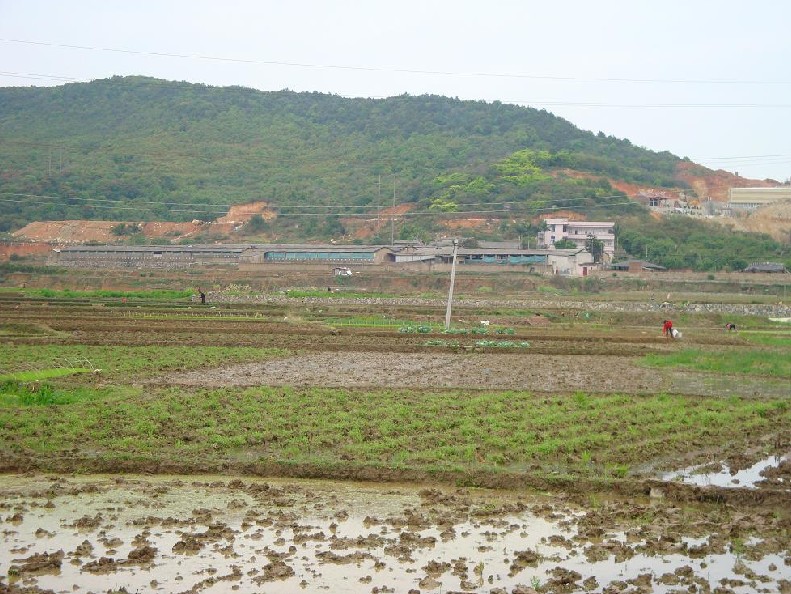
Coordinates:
<point>781,341</point>
<point>43,374</point>
<point>752,362</point>
<point>368,322</point>
<point>452,430</point>
<point>15,394</point>
<point>123,363</point>
<point>149,295</point>
<point>21,330</point>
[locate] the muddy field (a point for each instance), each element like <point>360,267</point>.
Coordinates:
<point>213,534</point>
<point>724,527</point>
<point>474,370</point>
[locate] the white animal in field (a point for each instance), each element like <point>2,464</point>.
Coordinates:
<point>485,323</point>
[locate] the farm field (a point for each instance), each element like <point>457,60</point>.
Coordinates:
<point>282,441</point>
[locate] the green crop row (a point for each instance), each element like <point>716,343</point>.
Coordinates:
<point>150,294</point>
<point>443,430</point>
<point>126,362</point>
<point>752,362</point>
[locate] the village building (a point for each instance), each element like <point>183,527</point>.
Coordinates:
<point>636,266</point>
<point>332,257</point>
<point>747,199</point>
<point>579,232</point>
<point>161,256</point>
<point>768,267</point>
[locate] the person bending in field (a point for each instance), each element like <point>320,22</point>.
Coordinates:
<point>730,327</point>
<point>667,329</point>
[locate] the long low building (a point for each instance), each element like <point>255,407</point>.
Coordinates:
<point>752,198</point>
<point>146,256</point>
<point>572,262</point>
<point>186,256</point>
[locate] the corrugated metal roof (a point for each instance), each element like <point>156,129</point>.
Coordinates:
<point>224,248</point>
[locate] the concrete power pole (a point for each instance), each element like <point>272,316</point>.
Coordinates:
<point>452,282</point>
<point>392,215</point>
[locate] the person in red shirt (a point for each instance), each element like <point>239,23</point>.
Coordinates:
<point>667,329</point>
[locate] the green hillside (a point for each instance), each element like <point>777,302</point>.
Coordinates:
<point>142,143</point>
<point>139,149</point>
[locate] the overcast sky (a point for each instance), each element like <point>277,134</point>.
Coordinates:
<point>706,79</point>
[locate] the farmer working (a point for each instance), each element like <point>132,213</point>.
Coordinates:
<point>667,329</point>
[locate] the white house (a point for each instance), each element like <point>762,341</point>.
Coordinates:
<point>579,232</point>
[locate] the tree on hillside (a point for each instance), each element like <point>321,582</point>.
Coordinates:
<point>256,224</point>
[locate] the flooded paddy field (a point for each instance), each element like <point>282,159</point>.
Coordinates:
<point>589,454</point>
<point>221,534</point>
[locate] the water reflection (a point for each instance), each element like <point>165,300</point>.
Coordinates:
<point>210,534</point>
<point>724,477</point>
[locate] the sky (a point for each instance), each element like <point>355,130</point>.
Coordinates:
<point>704,79</point>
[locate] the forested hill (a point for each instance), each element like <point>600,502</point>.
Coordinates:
<point>139,149</point>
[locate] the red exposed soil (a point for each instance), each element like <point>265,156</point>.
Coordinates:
<point>715,184</point>
<point>362,228</point>
<point>241,213</point>
<point>23,250</point>
<point>704,182</point>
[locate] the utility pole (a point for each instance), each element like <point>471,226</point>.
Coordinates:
<point>452,282</point>
<point>392,215</point>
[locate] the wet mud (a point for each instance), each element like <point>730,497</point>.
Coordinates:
<point>475,369</point>
<point>527,371</point>
<point>219,534</point>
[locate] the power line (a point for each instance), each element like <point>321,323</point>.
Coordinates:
<point>653,105</point>
<point>520,102</point>
<point>747,160</point>
<point>156,202</point>
<point>38,76</point>
<point>110,206</point>
<point>372,215</point>
<point>743,157</point>
<point>353,169</point>
<point>372,207</point>
<point>184,56</point>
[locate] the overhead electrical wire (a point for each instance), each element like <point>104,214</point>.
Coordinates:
<point>713,81</point>
<point>726,161</point>
<point>26,199</point>
<point>282,206</point>
<point>522,102</point>
<point>772,159</point>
